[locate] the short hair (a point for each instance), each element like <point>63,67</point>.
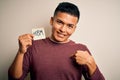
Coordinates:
<point>69,8</point>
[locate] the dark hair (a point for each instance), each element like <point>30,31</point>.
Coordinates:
<point>68,8</point>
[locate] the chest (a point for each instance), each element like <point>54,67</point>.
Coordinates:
<point>55,61</point>
<point>53,56</point>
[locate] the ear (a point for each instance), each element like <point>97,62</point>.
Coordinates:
<point>51,21</point>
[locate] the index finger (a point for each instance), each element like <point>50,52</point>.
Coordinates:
<point>30,36</point>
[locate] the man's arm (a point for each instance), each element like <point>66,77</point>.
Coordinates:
<point>91,70</point>
<point>84,58</point>
<point>15,69</point>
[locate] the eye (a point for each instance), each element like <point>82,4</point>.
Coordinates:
<point>59,22</point>
<point>70,26</point>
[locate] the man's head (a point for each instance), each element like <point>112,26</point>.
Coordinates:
<point>69,8</point>
<point>64,21</point>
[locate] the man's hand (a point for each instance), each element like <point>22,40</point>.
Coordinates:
<point>84,58</point>
<point>24,42</point>
<point>16,69</point>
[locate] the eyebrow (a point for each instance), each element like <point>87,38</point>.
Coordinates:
<point>64,22</point>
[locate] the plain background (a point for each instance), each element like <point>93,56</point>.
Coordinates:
<point>98,28</point>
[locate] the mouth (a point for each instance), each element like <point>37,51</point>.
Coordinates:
<point>61,35</point>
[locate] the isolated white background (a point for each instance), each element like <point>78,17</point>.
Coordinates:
<point>98,28</point>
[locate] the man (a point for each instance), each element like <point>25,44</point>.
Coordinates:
<point>56,57</point>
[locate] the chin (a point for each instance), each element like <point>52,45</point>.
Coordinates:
<point>60,39</point>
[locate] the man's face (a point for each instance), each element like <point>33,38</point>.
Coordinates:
<point>63,25</point>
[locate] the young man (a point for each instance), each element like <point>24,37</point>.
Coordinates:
<point>56,57</point>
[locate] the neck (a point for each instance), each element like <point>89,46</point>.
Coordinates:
<point>58,41</point>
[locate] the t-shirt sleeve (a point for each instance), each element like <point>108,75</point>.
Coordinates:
<point>85,71</point>
<point>97,75</point>
<point>26,64</point>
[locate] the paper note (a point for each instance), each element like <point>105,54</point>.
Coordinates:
<point>38,33</point>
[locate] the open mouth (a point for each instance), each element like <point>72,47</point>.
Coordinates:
<point>61,35</point>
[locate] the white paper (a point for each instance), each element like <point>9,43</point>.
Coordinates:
<point>38,33</point>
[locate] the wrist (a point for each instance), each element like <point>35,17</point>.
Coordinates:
<point>20,52</point>
<point>91,65</point>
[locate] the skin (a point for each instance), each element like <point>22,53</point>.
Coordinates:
<point>63,26</point>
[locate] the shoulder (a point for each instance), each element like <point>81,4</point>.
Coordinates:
<point>80,46</point>
<point>38,43</point>
<point>77,44</point>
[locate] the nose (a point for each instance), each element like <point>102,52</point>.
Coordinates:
<point>63,28</point>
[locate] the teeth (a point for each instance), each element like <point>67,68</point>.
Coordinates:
<point>61,35</point>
